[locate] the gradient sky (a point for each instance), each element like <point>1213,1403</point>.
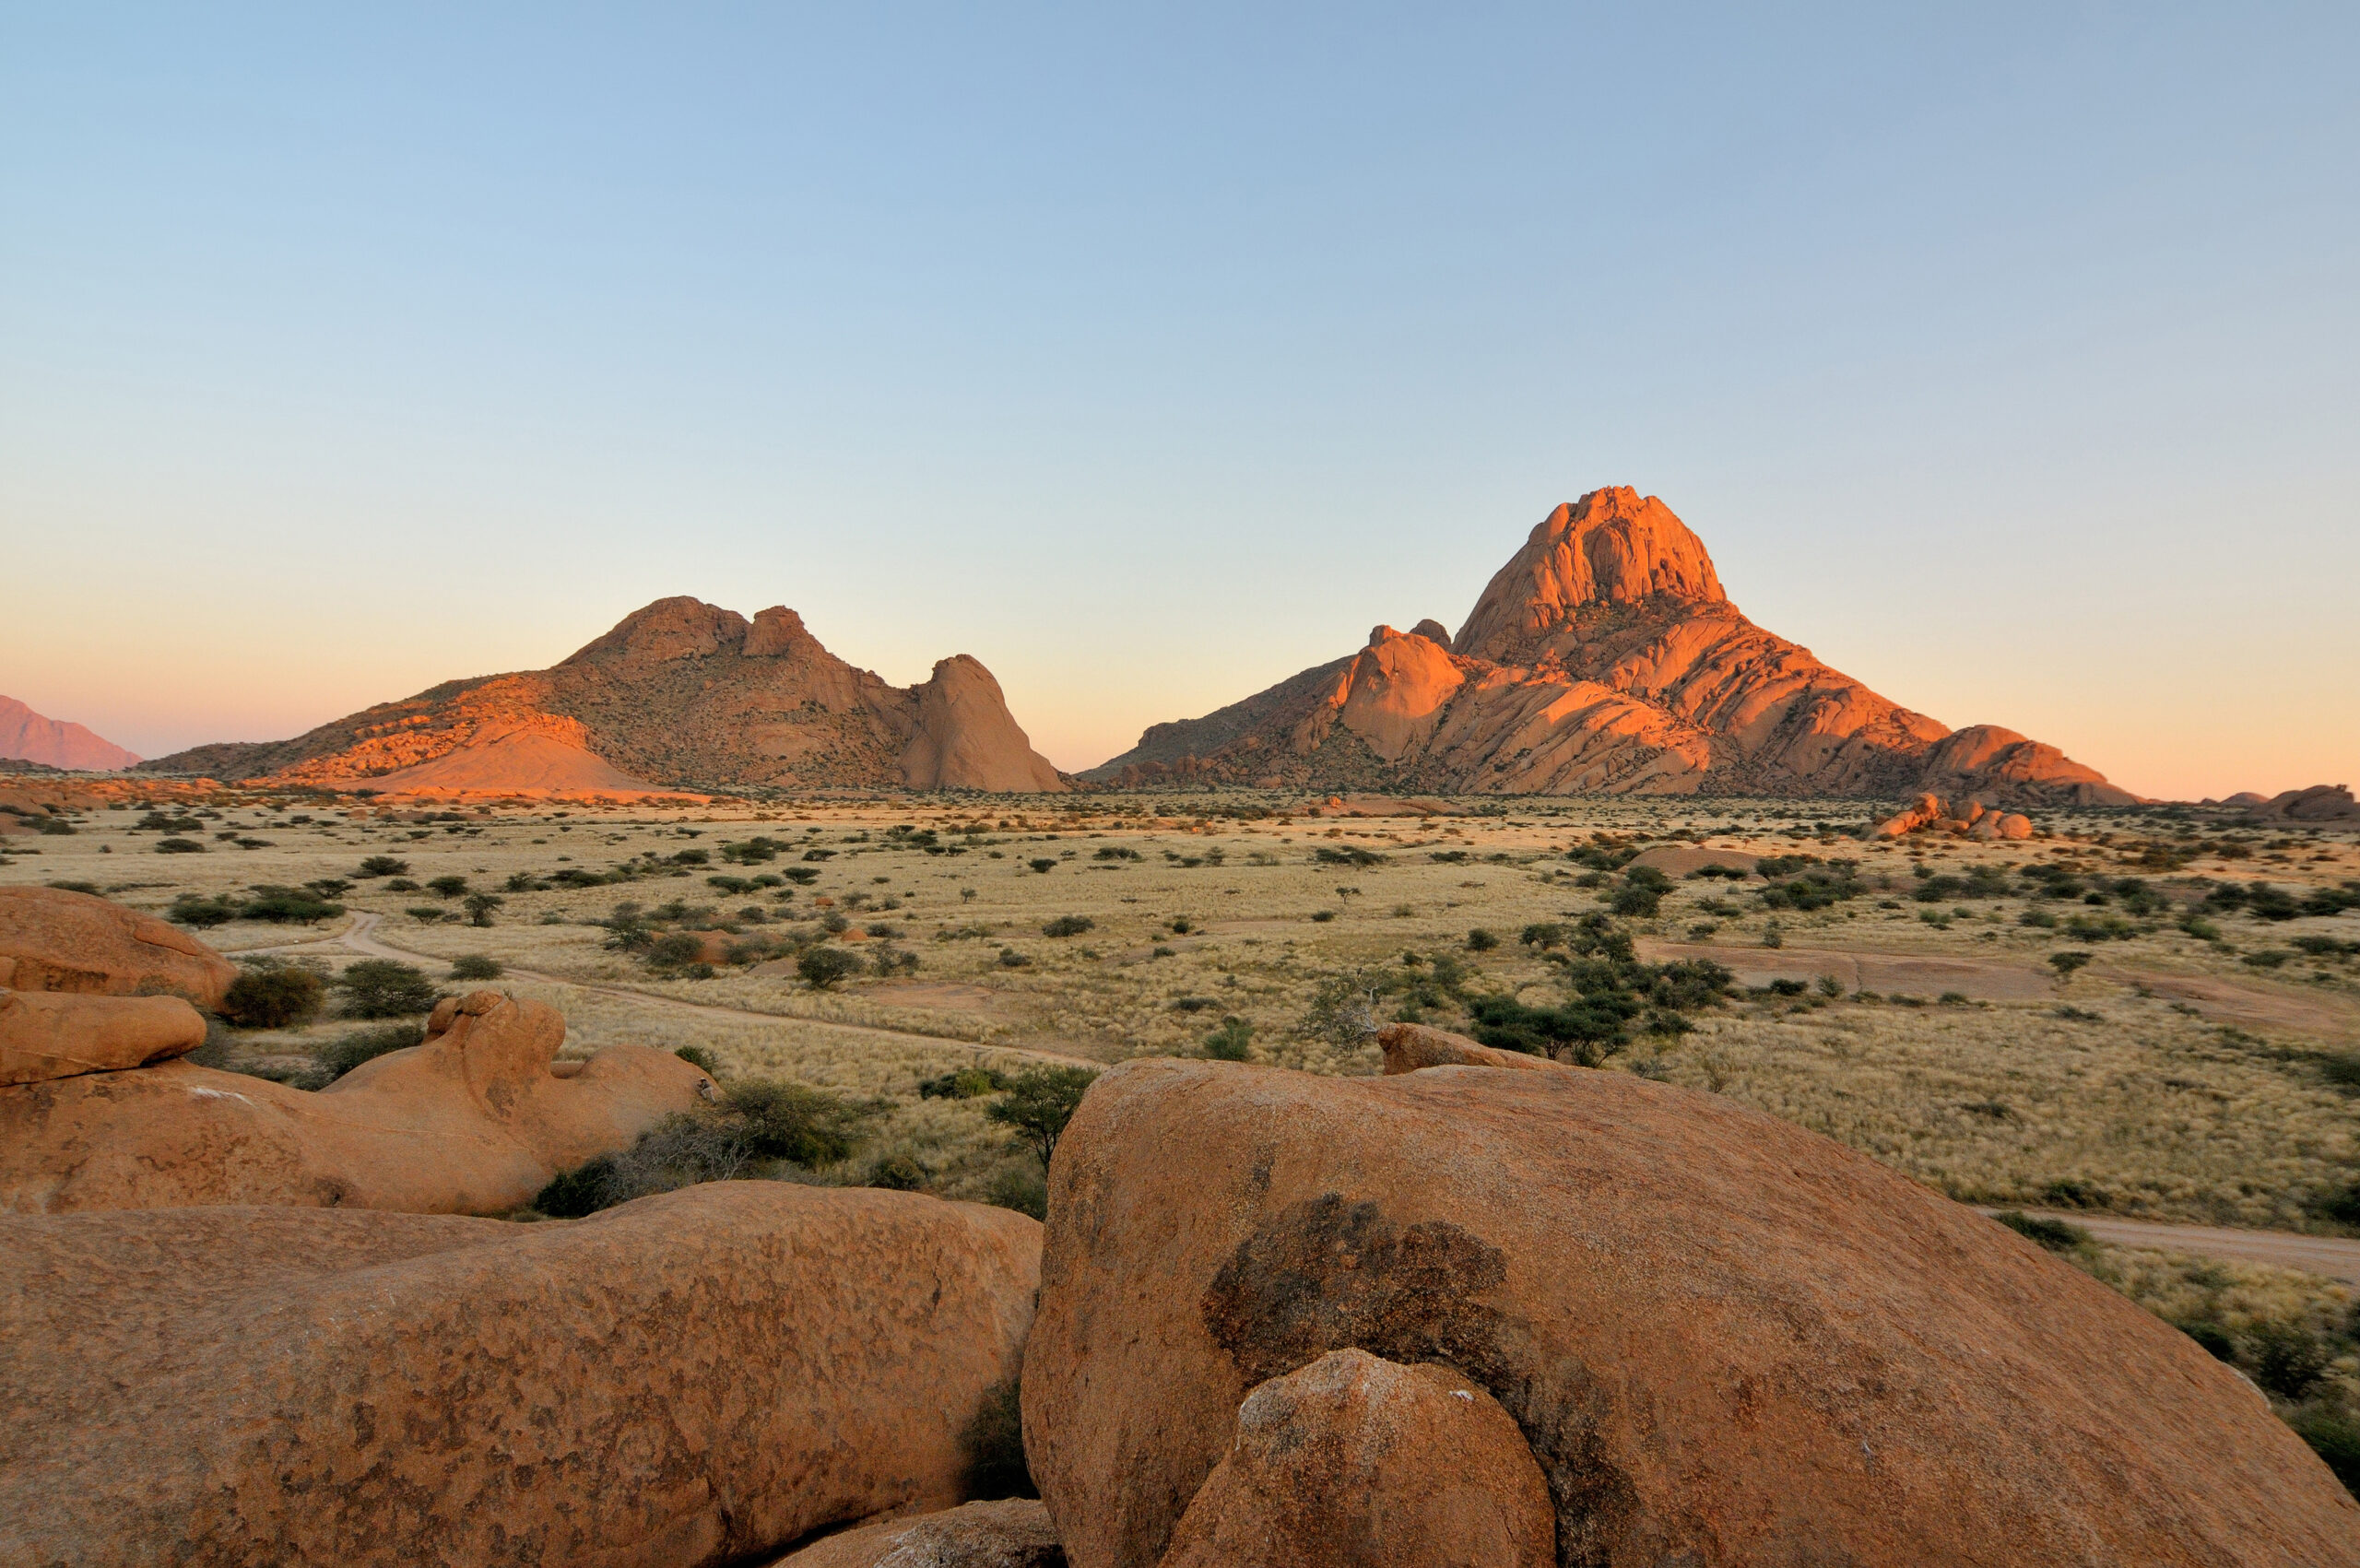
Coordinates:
<point>2006,355</point>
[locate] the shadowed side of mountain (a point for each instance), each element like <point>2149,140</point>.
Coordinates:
<point>1605,656</point>
<point>28,736</point>
<point>680,694</point>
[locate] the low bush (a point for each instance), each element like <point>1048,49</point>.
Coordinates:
<point>347,1051</point>
<point>476,966</point>
<point>1068,925</point>
<point>273,995</point>
<point>1232,1041</point>
<point>384,988</point>
<point>2055,1235</point>
<point>824,968</point>
<point>1038,1104</point>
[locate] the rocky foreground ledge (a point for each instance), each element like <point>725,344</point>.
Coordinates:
<point>1484,1310</point>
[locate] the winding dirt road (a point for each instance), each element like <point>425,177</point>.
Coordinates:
<point>361,937</point>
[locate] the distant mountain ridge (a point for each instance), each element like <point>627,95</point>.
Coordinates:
<point>681,694</point>
<point>28,736</point>
<point>1604,657</point>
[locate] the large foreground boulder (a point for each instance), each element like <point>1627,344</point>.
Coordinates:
<point>677,1381</point>
<point>1356,1462</point>
<point>1724,1339</point>
<point>49,1035</point>
<point>55,940</point>
<point>473,1121</point>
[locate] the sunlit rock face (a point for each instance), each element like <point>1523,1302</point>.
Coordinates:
<point>1605,656</point>
<point>681,694</point>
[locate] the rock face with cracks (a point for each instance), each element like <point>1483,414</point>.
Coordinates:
<point>681,1381</point>
<point>681,693</point>
<point>1355,1462</point>
<point>1604,657</point>
<point>1724,1339</point>
<point>56,940</point>
<point>473,1121</point>
<point>47,1034</point>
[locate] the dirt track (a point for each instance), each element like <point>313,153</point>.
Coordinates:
<point>2334,1257</point>
<point>361,937</point>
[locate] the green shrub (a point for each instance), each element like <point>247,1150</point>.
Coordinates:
<point>1025,1191</point>
<point>822,968</point>
<point>896,1173</point>
<point>2335,1436</point>
<point>1480,941</point>
<point>1232,1041</point>
<point>274,996</point>
<point>570,1194</point>
<point>347,1051</point>
<point>476,966</point>
<point>2289,1360</point>
<point>1636,902</point>
<point>2053,1234</point>
<point>447,887</point>
<point>967,1083</point>
<point>479,907</point>
<point>777,1120</point>
<point>195,909</point>
<point>698,1056</point>
<point>1068,925</point>
<point>1042,866</point>
<point>2214,1339</point>
<point>384,988</point>
<point>2067,963</point>
<point>1346,855</point>
<point>179,846</point>
<point>288,906</point>
<point>1039,1103</point>
<point>425,915</point>
<point>381,865</point>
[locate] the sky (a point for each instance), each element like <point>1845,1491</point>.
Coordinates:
<point>2008,357</point>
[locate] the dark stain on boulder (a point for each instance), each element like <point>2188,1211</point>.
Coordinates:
<point>1332,1275</point>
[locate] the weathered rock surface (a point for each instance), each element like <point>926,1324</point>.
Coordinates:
<point>54,940</point>
<point>1724,1339</point>
<point>1971,818</point>
<point>28,736</point>
<point>674,1382</point>
<point>472,1122</point>
<point>1011,1533</point>
<point>2321,803</point>
<point>1680,860</point>
<point>1604,657</point>
<point>49,1035</point>
<point>681,694</point>
<point>1410,1046</point>
<point>1354,1461</point>
<point>963,737</point>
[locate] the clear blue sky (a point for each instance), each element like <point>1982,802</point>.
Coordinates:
<point>2003,355</point>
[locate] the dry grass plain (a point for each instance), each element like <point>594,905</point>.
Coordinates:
<point>2200,1068</point>
<point>2173,1079</point>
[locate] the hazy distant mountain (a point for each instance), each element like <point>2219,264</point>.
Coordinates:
<point>32,738</point>
<point>681,693</point>
<point>1604,656</point>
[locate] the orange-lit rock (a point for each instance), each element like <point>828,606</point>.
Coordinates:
<point>473,1121</point>
<point>1604,657</point>
<point>680,694</point>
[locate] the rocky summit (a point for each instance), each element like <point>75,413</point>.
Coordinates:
<point>681,694</point>
<point>1604,657</point>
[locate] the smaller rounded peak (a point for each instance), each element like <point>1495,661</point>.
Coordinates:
<point>1380,634</point>
<point>1433,631</point>
<point>677,628</point>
